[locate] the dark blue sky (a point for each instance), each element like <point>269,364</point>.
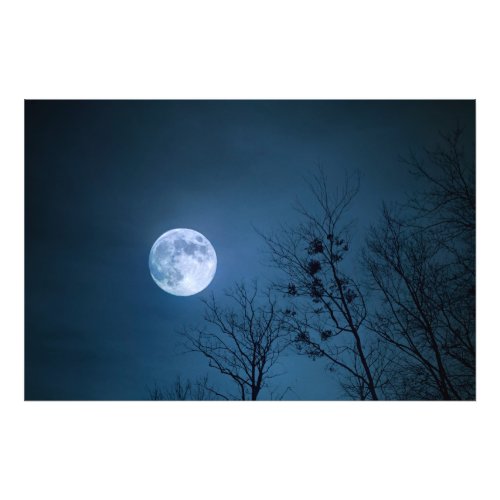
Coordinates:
<point>105,178</point>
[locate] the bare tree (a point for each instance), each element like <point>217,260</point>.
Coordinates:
<point>242,341</point>
<point>421,258</point>
<point>327,310</point>
<point>184,390</point>
<point>418,313</point>
<point>446,201</point>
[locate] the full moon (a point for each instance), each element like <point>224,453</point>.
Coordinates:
<point>182,262</point>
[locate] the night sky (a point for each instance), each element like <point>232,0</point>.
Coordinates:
<point>104,179</point>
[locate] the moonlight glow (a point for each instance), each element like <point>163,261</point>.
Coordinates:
<point>182,262</point>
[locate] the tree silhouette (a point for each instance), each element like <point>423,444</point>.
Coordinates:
<point>327,310</point>
<point>421,259</point>
<point>184,390</point>
<point>243,342</point>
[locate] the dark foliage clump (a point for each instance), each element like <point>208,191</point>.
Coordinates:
<point>316,290</point>
<point>326,334</point>
<point>313,267</point>
<point>315,247</point>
